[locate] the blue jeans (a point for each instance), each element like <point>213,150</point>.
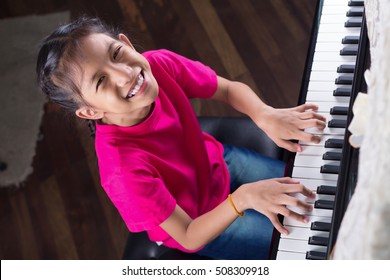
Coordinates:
<point>248,237</point>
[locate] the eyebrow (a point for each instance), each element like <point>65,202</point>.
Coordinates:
<point>109,50</point>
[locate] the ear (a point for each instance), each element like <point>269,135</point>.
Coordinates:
<point>126,40</point>
<point>88,113</point>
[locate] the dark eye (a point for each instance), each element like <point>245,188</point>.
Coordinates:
<point>99,82</point>
<point>116,52</point>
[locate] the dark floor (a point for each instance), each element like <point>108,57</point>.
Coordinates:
<point>61,212</point>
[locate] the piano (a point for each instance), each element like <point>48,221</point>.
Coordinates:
<point>337,58</point>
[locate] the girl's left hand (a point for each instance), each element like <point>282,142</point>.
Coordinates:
<point>284,125</point>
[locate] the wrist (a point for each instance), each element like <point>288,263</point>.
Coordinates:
<point>262,115</point>
<point>232,204</point>
<point>239,199</point>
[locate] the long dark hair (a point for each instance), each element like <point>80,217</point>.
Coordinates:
<point>57,63</point>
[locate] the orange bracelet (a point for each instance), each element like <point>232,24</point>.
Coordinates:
<point>234,207</point>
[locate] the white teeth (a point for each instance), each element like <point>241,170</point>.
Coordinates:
<point>140,82</point>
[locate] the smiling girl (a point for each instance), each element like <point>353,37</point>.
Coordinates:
<point>163,174</point>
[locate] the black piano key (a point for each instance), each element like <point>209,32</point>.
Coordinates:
<point>318,240</point>
<point>334,143</point>
<point>320,226</point>
<point>344,91</point>
<point>349,50</point>
<point>346,68</point>
<point>332,156</point>
<point>324,204</point>
<point>330,169</point>
<point>354,3</point>
<point>337,123</point>
<point>325,189</point>
<point>350,40</point>
<point>344,80</point>
<point>339,110</point>
<point>354,22</point>
<point>314,255</point>
<point>355,12</point>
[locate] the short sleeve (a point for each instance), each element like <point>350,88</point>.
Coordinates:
<point>196,79</point>
<point>142,199</point>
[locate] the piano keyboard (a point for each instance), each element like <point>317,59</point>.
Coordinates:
<point>317,166</point>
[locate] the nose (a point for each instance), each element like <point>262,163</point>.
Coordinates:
<point>122,75</point>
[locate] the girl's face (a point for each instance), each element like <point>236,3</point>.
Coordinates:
<point>115,80</point>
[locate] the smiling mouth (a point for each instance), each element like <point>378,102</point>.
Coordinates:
<point>138,84</point>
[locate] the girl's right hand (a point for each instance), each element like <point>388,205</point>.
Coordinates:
<point>284,125</point>
<point>271,197</point>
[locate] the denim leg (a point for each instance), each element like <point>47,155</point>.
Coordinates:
<point>248,237</point>
<point>247,166</point>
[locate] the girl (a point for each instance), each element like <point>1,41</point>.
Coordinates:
<point>162,173</point>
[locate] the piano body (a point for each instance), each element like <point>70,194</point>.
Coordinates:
<point>333,76</point>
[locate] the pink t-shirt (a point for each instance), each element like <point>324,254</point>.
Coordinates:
<point>166,160</point>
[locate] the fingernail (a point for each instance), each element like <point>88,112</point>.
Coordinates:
<point>305,220</point>
<point>285,231</point>
<point>299,149</point>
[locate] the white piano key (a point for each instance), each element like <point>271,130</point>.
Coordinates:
<point>299,246</point>
<point>326,131</point>
<point>312,173</point>
<point>312,161</point>
<point>312,184</point>
<point>342,3</point>
<point>339,29</point>
<point>303,233</point>
<point>333,10</point>
<point>314,96</point>
<point>327,65</point>
<point>324,138</point>
<point>331,37</point>
<point>312,200</point>
<point>324,86</point>
<point>327,76</point>
<point>331,47</point>
<point>323,76</point>
<point>325,197</point>
<point>335,18</point>
<point>317,96</point>
<point>315,212</point>
<point>311,150</point>
<point>316,150</point>
<point>324,107</point>
<point>295,223</point>
<point>334,56</point>
<point>329,117</point>
<point>283,255</point>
